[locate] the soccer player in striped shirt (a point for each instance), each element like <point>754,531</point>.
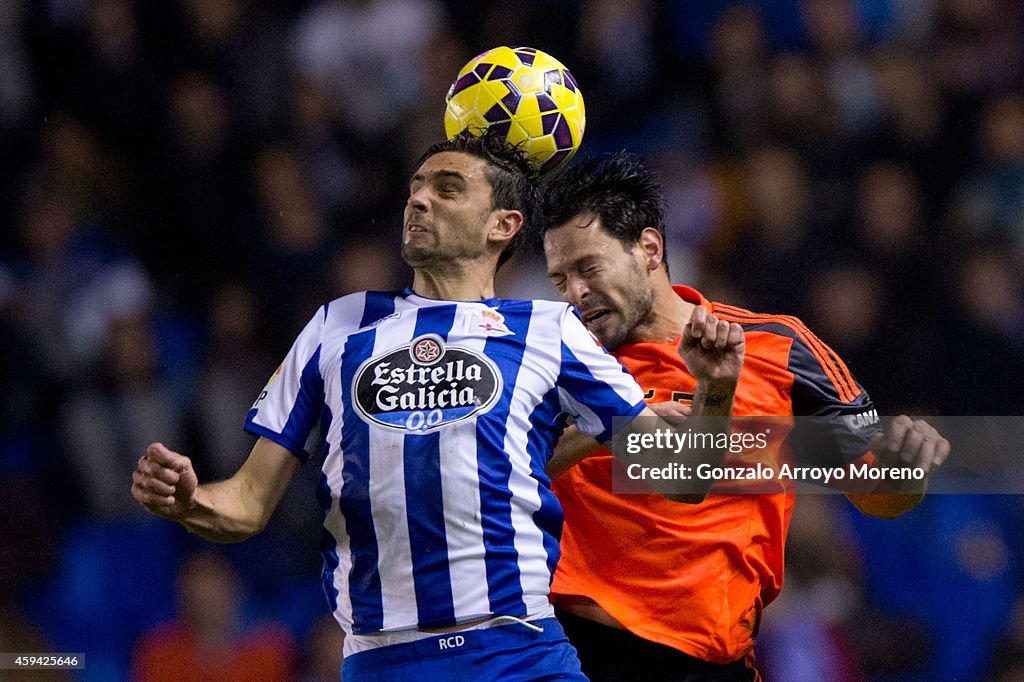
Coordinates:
<point>439,407</point>
<point>655,591</point>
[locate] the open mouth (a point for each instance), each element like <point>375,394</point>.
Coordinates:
<point>592,316</point>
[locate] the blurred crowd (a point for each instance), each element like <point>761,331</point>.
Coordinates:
<point>183,183</point>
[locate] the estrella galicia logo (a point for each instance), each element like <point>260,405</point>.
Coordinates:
<point>425,385</point>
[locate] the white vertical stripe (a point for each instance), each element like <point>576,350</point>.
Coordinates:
<point>460,492</point>
<point>387,500</point>
<point>343,319</point>
<point>342,310</point>
<point>536,375</point>
<point>335,523</point>
<point>283,387</point>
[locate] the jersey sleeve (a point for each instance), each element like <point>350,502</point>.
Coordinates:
<point>290,405</point>
<point>835,417</point>
<point>593,387</point>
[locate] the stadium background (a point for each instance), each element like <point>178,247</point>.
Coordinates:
<point>183,183</point>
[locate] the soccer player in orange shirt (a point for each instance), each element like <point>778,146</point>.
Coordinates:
<point>651,590</point>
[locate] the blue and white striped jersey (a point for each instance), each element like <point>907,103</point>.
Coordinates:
<point>438,419</point>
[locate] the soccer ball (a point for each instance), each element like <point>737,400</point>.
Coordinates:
<point>526,94</point>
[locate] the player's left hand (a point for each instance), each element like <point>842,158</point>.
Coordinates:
<point>910,443</point>
<point>712,349</point>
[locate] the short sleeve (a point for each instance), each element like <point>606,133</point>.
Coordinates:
<point>290,405</point>
<point>835,415</point>
<point>593,386</point>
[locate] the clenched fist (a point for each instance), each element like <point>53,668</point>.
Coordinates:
<point>164,482</point>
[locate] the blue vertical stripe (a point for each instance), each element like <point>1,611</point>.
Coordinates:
<point>328,543</point>
<point>546,425</point>
<point>305,410</point>
<point>425,503</point>
<point>501,559</point>
<point>586,389</point>
<point>377,305</point>
<point>364,578</point>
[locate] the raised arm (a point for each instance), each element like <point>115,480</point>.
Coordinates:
<point>165,483</point>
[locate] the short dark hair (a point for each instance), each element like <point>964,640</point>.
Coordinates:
<point>513,179</point>
<point>618,188</point>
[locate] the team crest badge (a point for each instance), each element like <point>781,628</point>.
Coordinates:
<point>490,322</point>
<point>426,350</point>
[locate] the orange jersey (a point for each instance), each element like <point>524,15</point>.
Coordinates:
<point>696,577</point>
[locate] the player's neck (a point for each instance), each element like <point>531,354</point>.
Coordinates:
<point>667,318</point>
<point>461,284</point>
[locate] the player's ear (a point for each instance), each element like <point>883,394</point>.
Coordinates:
<point>508,223</point>
<point>653,248</point>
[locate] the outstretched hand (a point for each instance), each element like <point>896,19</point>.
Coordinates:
<point>164,482</point>
<point>712,349</point>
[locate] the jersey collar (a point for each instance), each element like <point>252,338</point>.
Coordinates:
<point>691,295</point>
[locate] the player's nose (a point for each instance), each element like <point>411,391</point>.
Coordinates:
<point>577,290</point>
<point>419,200</point>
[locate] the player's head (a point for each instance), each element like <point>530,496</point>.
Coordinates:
<point>470,197</point>
<point>604,240</point>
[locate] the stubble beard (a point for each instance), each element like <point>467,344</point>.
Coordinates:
<point>448,259</point>
<point>635,310</point>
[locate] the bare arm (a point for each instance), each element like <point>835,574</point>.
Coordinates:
<point>713,351</point>
<point>573,447</point>
<point>165,483</point>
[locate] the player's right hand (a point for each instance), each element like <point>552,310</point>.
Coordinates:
<point>712,349</point>
<point>164,482</point>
